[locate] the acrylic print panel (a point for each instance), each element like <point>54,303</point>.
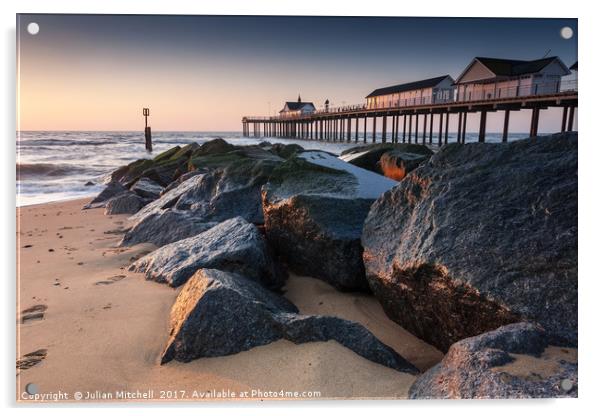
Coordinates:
<point>216,208</point>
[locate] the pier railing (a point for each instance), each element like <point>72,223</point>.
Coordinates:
<point>488,93</point>
<point>335,123</point>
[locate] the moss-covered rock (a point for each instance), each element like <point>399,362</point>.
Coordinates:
<point>166,155</point>
<point>185,152</point>
<point>285,151</point>
<point>229,186</point>
<point>215,146</point>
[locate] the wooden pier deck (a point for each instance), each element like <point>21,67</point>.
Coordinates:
<point>417,122</point>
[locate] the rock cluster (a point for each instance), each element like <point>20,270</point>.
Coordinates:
<point>229,186</point>
<point>472,249</point>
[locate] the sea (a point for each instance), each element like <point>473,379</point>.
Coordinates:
<point>63,165</point>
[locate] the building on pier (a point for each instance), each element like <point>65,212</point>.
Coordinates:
<point>569,82</point>
<point>428,91</point>
<point>491,78</point>
<point>297,108</point>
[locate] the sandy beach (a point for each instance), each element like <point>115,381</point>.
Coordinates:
<point>103,328</point>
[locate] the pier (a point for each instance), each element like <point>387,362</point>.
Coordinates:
<point>415,123</point>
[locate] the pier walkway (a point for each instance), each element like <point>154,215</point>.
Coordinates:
<point>409,123</point>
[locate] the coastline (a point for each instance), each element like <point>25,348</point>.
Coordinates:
<point>104,327</point>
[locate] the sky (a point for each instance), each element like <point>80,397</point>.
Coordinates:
<point>204,73</point>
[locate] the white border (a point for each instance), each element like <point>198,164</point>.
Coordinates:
<point>589,189</point>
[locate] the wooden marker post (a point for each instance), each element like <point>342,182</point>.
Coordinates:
<point>147,130</point>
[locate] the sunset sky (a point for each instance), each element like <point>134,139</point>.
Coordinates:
<point>203,73</point>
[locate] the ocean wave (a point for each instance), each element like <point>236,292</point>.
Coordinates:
<point>63,142</point>
<point>28,170</point>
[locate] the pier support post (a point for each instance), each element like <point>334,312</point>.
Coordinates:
<point>506,124</point>
<point>335,129</point>
<point>374,129</point>
<point>564,115</point>
<point>424,129</point>
<point>365,128</point>
<point>416,132</point>
<point>464,127</point>
<point>357,119</point>
<point>446,126</point>
<point>534,122</point>
<point>440,141</point>
<point>384,132</point>
<point>431,130</point>
<point>482,127</point>
<point>410,129</point>
<point>349,129</point>
<point>459,138</point>
<point>396,129</point>
<point>403,135</point>
<point>571,118</point>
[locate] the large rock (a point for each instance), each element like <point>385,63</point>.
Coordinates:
<point>111,190</point>
<point>512,362</point>
<point>219,313</point>
<point>480,236</point>
<point>230,187</point>
<point>213,147</point>
<point>181,178</point>
<point>163,169</point>
<point>396,164</point>
<point>146,188</point>
<point>285,150</point>
<point>124,203</point>
<point>314,208</point>
<point>166,227</point>
<point>233,245</point>
<point>369,156</point>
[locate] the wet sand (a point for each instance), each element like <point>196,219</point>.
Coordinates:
<point>103,328</point>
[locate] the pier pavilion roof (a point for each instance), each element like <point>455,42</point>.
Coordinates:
<point>296,105</point>
<point>410,86</point>
<point>511,67</point>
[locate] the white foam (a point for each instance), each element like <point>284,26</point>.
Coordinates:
<point>370,185</point>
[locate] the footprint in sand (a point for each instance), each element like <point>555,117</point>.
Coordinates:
<point>31,359</point>
<point>33,313</point>
<point>118,231</point>
<point>110,280</point>
<point>139,255</point>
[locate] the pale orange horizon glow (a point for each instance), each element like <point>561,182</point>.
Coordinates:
<point>205,73</point>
